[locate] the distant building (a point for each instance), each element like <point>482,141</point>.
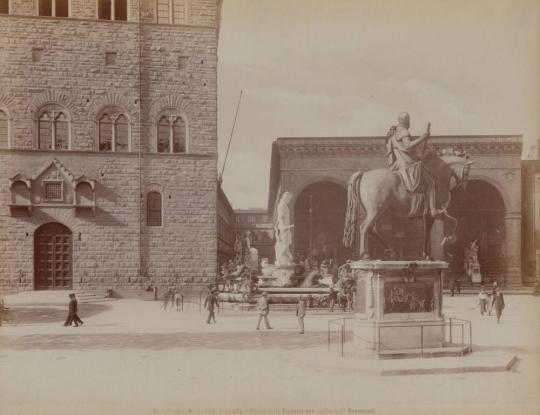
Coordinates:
<point>108,143</point>
<point>260,225</point>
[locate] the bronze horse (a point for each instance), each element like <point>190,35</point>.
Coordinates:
<point>381,190</point>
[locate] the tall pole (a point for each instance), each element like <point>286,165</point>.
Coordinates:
<point>232,131</point>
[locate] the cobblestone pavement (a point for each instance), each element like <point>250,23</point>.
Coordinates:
<point>132,357</point>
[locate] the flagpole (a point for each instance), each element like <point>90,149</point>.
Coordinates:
<point>232,131</point>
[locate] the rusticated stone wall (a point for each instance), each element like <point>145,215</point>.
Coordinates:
<point>109,247</point>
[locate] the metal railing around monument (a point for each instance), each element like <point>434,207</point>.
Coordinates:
<point>341,337</point>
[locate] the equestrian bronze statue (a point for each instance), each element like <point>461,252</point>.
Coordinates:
<point>414,186</point>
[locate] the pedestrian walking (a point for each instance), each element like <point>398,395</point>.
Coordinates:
<point>491,295</point>
<point>264,308</point>
<point>210,303</point>
<point>301,313</point>
<point>171,298</point>
<point>4,311</point>
<point>166,296</point>
<point>458,285</point>
<point>483,301</point>
<point>494,288</point>
<point>177,299</point>
<point>498,303</point>
<point>72,312</point>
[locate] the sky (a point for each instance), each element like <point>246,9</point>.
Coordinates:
<point>313,68</point>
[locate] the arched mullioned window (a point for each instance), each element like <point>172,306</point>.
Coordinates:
<point>171,133</point>
<point>4,129</point>
<point>113,130</point>
<point>153,209</point>
<point>53,128</point>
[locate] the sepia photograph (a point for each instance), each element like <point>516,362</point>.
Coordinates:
<point>269,207</point>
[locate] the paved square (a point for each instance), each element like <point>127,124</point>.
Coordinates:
<point>132,357</point>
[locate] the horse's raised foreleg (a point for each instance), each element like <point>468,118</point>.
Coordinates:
<point>428,224</point>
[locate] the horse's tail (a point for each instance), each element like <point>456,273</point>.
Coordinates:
<point>353,204</point>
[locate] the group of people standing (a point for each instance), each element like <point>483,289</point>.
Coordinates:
<point>174,297</point>
<point>496,298</point>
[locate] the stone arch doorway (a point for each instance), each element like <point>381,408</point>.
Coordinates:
<point>53,257</point>
<point>319,218</point>
<point>480,212</point>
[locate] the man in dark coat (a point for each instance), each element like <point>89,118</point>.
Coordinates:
<point>498,303</point>
<point>209,303</point>
<point>72,313</point>
<point>301,313</point>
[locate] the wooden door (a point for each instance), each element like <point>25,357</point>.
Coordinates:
<point>53,257</point>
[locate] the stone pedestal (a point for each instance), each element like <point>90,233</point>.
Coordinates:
<point>252,259</point>
<point>398,304</point>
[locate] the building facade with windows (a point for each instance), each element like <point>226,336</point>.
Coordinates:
<point>108,143</point>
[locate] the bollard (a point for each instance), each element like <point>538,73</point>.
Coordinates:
<point>342,338</point>
<point>378,341</point>
<point>328,336</point>
<point>422,340</point>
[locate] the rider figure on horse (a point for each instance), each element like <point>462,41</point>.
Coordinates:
<point>403,158</point>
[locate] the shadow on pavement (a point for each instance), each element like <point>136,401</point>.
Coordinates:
<point>509,349</point>
<point>21,315</point>
<point>164,341</point>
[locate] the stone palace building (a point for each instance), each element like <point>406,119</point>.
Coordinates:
<point>108,143</point>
